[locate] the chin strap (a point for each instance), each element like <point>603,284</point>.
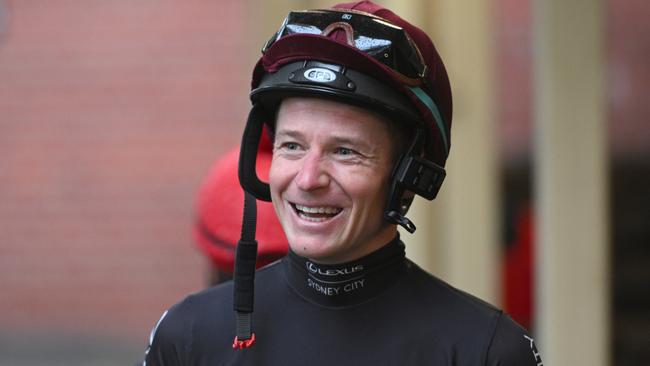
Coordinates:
<point>399,219</point>
<point>244,277</point>
<point>248,156</point>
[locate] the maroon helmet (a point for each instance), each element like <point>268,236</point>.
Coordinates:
<point>362,54</point>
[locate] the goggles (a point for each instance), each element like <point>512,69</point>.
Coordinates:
<point>376,37</point>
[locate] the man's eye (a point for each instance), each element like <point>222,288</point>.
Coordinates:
<point>344,151</point>
<point>290,146</point>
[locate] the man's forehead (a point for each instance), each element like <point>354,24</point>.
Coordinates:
<point>336,114</point>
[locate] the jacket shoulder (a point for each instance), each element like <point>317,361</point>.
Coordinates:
<point>474,324</point>
<point>173,339</point>
<point>512,346</point>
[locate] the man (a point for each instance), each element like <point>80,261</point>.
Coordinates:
<point>359,105</point>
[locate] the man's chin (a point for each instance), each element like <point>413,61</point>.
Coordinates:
<point>318,250</point>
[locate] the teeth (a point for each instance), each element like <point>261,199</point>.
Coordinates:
<point>318,210</point>
<point>312,219</point>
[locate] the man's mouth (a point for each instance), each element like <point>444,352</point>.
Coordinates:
<point>316,213</point>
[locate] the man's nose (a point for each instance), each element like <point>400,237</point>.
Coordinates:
<point>313,173</point>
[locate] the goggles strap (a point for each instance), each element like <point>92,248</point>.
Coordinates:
<point>431,105</point>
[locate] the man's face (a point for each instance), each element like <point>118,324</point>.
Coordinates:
<point>329,179</point>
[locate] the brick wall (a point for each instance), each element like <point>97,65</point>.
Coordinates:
<point>110,114</point>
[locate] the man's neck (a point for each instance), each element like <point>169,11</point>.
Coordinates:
<point>348,283</point>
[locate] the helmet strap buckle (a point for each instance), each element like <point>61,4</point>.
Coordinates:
<point>413,175</point>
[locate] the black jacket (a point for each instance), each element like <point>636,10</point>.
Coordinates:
<point>380,310</point>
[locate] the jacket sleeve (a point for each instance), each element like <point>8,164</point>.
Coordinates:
<point>512,346</point>
<point>170,340</point>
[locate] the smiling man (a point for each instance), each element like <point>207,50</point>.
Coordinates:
<point>328,179</point>
<point>359,106</point>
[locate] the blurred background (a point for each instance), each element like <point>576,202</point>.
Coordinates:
<point>111,113</point>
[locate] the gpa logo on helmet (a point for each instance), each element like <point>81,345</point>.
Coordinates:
<point>320,75</point>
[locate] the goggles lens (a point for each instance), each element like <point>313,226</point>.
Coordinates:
<point>375,36</point>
